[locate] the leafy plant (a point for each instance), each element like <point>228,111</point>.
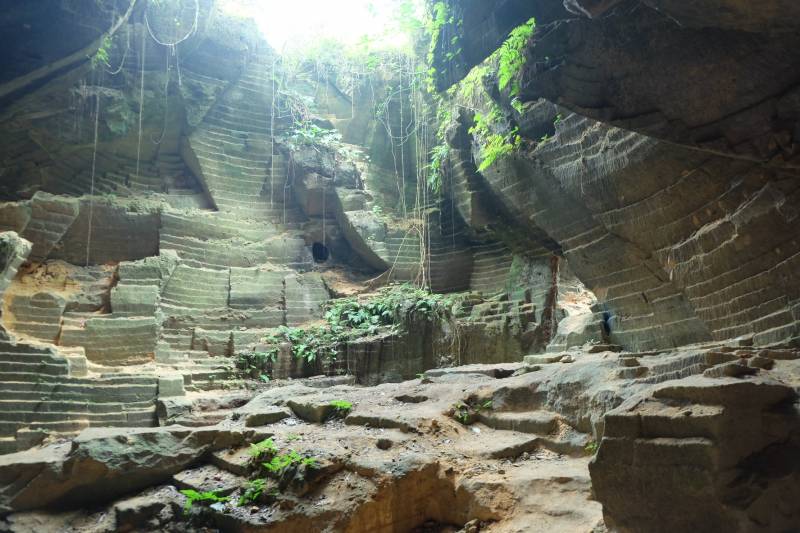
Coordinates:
<point>257,363</point>
<point>307,133</point>
<point>495,145</point>
<point>280,463</point>
<point>438,156</point>
<point>349,318</point>
<point>193,496</point>
<point>512,58</point>
<point>102,56</point>
<point>253,491</point>
<point>342,408</point>
<point>591,447</point>
<point>466,411</point>
<point>265,447</point>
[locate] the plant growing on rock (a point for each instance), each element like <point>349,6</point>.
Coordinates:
<point>494,145</point>
<point>253,491</point>
<point>467,411</point>
<point>438,157</point>
<point>279,464</point>
<point>256,364</point>
<point>591,447</point>
<point>350,318</point>
<point>309,134</point>
<point>265,447</point>
<point>193,496</point>
<point>341,408</point>
<point>512,58</point>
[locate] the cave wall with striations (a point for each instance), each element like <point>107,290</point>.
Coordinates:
<point>672,196</point>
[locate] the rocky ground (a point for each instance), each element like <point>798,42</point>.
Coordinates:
<point>499,448</point>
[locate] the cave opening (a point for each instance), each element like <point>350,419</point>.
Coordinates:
<point>320,252</point>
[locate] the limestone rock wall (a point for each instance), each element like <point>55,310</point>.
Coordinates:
<point>679,245</point>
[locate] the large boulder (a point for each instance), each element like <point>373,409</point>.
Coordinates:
<point>102,464</point>
<point>702,454</point>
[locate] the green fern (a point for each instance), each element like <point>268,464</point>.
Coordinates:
<point>438,156</point>
<point>265,447</point>
<point>192,497</point>
<point>512,57</point>
<point>252,491</point>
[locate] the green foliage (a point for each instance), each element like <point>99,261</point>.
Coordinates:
<point>308,343</point>
<point>512,58</point>
<point>342,408</point>
<point>591,447</point>
<point>192,497</point>
<point>102,56</point>
<point>498,146</point>
<point>256,363</point>
<point>465,412</point>
<point>347,318</point>
<point>253,491</point>
<point>558,118</point>
<point>265,447</point>
<point>439,155</point>
<point>494,145</point>
<point>440,16</point>
<point>280,463</point>
<point>389,307</point>
<point>309,134</point>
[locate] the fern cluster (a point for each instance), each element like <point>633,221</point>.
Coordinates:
<point>512,57</point>
<point>439,155</point>
<point>193,496</point>
<point>495,145</point>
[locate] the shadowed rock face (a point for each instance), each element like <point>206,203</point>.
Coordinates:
<point>722,451</point>
<point>706,84</point>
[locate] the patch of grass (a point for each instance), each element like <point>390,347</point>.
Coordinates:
<point>591,447</point>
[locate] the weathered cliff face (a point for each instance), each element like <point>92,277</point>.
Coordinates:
<point>682,241</point>
<point>628,267</point>
<point>657,155</point>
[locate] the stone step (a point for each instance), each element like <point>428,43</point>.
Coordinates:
<point>537,422</point>
<point>209,478</point>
